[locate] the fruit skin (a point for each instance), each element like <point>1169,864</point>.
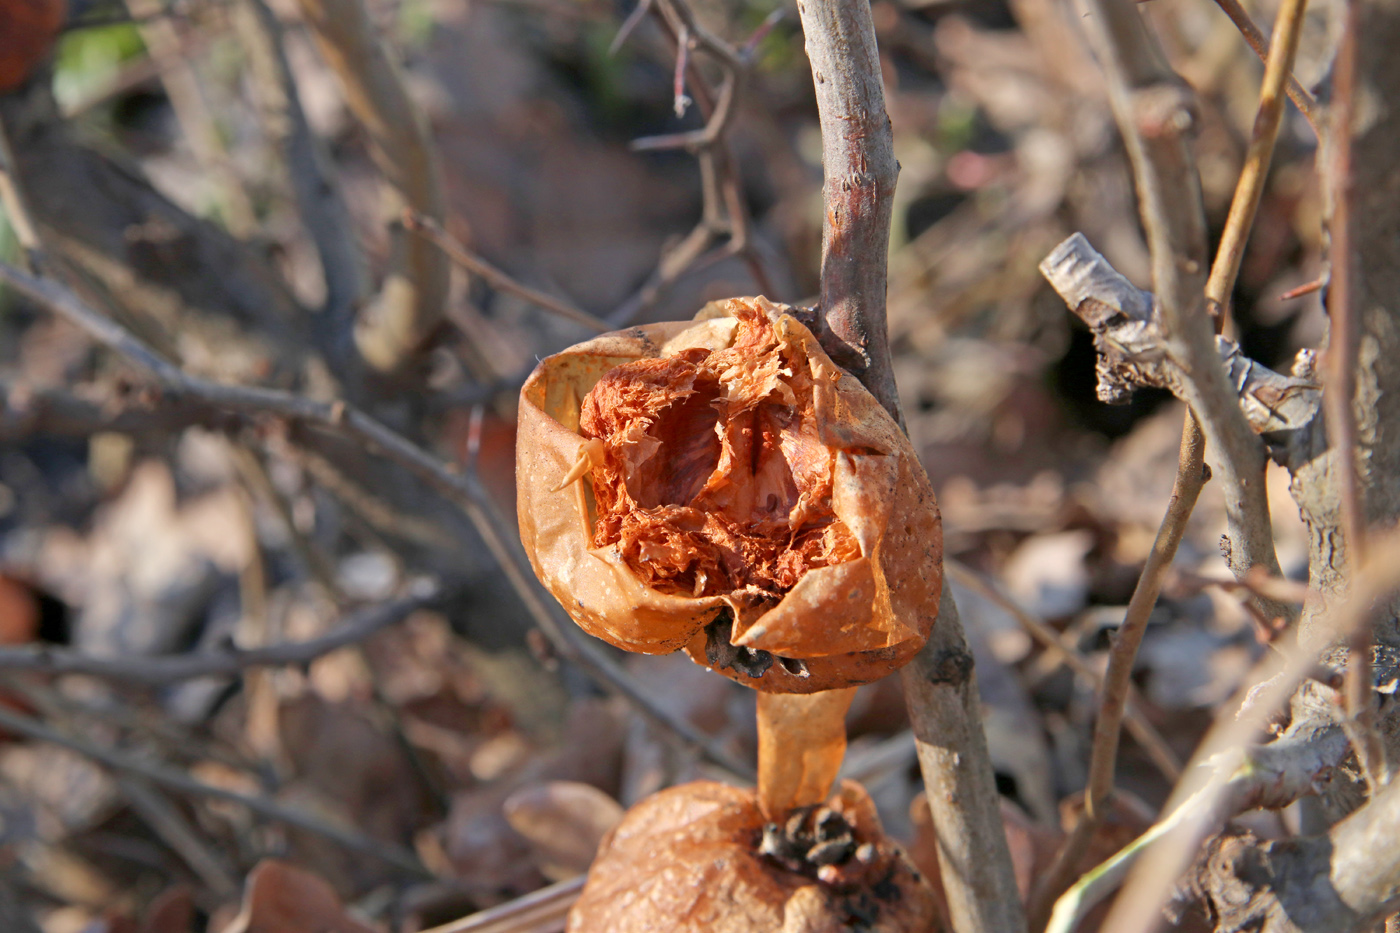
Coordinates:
<point>690,859</point>
<point>841,625</point>
<point>28,29</point>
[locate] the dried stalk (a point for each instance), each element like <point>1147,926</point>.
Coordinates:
<point>939,685</point>
<point>163,44</point>
<point>542,911</point>
<point>1117,680</point>
<point>1304,101</point>
<point>410,301</point>
<point>316,190</point>
<point>1250,187</point>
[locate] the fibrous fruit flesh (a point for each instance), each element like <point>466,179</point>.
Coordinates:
<point>722,486</point>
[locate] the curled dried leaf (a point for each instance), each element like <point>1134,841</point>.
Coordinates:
<point>700,857</point>
<point>722,486</point>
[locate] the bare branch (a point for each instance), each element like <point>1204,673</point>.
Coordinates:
<point>1231,783</point>
<point>944,710</point>
<point>1129,333</point>
<point>1341,882</point>
<point>860,174</point>
<point>723,211</point>
<point>940,687</point>
<point>1152,108</point>
<point>1059,645</point>
<point>1117,681</point>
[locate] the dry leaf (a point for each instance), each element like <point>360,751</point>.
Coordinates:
<point>699,857</point>
<point>283,899</point>
<point>722,486</point>
<point>564,821</point>
<point>172,911</point>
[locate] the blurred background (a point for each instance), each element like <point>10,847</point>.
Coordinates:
<point>131,527</point>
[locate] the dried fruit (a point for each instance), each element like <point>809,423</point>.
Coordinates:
<point>700,857</point>
<point>722,486</point>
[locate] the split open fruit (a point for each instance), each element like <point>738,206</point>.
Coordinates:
<point>721,486</point>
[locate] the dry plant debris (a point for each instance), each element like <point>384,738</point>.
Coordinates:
<point>721,486</point>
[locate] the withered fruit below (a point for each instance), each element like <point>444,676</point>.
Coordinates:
<point>721,486</point>
<point>699,857</point>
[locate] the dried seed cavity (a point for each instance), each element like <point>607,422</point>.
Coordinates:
<point>811,839</point>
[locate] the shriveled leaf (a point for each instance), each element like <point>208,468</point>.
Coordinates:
<point>171,912</point>
<point>283,899</point>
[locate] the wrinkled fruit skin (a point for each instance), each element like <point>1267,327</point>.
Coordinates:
<point>692,858</point>
<point>721,486</point>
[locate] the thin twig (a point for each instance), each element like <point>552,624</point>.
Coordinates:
<point>1250,187</point>
<point>178,781</point>
<point>1117,680</point>
<point>433,231</point>
<point>464,489</point>
<point>320,203</point>
<point>172,827</point>
<point>157,670</point>
<point>723,211</point>
<point>542,911</point>
<point>1146,734</point>
<point>1304,101</point>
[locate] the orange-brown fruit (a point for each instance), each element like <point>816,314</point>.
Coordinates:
<point>699,858</point>
<point>28,29</point>
<point>722,486</point>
